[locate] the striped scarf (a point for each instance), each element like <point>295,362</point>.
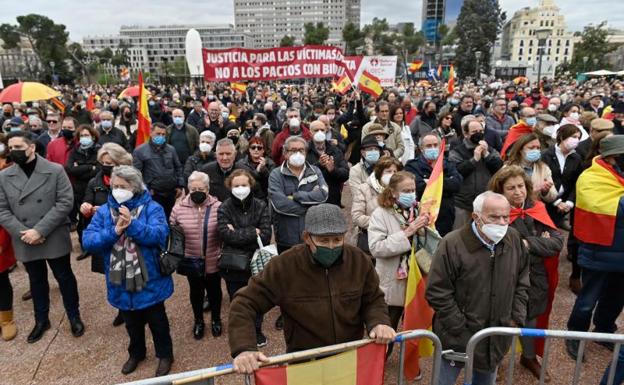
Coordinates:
<point>126,261</point>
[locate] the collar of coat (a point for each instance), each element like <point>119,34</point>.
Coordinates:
<point>473,244</point>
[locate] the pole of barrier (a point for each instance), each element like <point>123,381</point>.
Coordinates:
<point>437,354</point>
<point>512,361</point>
<point>401,359</point>
<point>614,361</point>
<point>579,362</point>
<point>544,362</point>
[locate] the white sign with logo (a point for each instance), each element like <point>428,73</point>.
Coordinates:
<point>384,67</point>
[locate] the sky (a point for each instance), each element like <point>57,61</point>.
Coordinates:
<point>104,17</point>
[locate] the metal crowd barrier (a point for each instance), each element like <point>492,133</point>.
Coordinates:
<point>208,375</point>
<point>548,335</point>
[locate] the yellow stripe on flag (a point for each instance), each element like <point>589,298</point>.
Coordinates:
<point>340,370</point>
<point>597,181</point>
<point>370,84</point>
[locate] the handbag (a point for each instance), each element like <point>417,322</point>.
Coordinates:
<point>262,257</point>
<point>196,266</point>
<point>170,259</point>
<point>234,262</point>
<point>362,241</point>
<point>427,245</point>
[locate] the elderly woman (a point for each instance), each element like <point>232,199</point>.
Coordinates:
<point>129,231</point>
<point>203,155</point>
<point>197,214</point>
<point>258,165</point>
<point>543,244</point>
<point>365,196</point>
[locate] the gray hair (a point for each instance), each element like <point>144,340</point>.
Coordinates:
<point>208,134</point>
<point>479,202</point>
<point>130,175</point>
<point>105,112</point>
<point>465,121</point>
<point>292,139</point>
<point>199,176</point>
<point>431,133</point>
<point>117,153</point>
<point>34,119</point>
<point>225,142</point>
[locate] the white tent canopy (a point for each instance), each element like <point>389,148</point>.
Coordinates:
<point>621,73</point>
<point>600,73</point>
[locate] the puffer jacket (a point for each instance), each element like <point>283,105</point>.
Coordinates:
<point>245,216</point>
<point>191,218</point>
<point>149,231</point>
<point>606,258</point>
<point>387,243</point>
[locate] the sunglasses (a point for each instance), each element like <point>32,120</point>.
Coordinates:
<point>52,121</point>
<point>256,147</point>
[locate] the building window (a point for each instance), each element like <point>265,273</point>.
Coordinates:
<point>521,43</point>
<point>520,51</point>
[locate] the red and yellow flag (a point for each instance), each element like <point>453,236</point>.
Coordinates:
<point>90,102</point>
<point>598,193</point>
<point>370,84</point>
<point>451,83</point>
<point>439,71</point>
<point>362,366</point>
<point>58,104</point>
<point>240,87</point>
<point>342,85</point>
<point>144,122</point>
<point>415,66</point>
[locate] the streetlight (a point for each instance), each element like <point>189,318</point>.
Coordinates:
<point>478,56</point>
<point>542,35</point>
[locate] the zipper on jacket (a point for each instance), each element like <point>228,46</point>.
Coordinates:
<point>492,268</point>
<point>331,305</point>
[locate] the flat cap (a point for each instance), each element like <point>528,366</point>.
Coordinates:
<point>612,145</point>
<point>370,141</point>
<point>547,118</point>
<point>325,219</point>
<point>377,129</point>
<point>600,124</point>
<point>17,121</point>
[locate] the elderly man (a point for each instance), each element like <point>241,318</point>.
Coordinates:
<point>479,278</point>
<point>597,126</point>
<point>526,125</point>
<point>476,162</point>
<point>203,155</point>
<point>329,159</point>
<point>466,107</point>
<point>182,136</point>
<point>197,116</point>
<point>215,121</point>
<point>545,130</point>
<point>219,170</point>
<point>292,127</point>
<point>35,200</point>
<point>394,141</point>
<point>109,133</point>
<point>498,120</point>
<point>58,150</point>
<point>161,168</point>
<point>334,271</point>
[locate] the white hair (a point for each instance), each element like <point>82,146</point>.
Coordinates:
<point>208,135</point>
<point>130,175</point>
<point>479,202</point>
<point>199,176</point>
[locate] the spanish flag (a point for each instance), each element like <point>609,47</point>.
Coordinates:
<point>370,84</point>
<point>598,193</point>
<point>439,71</point>
<point>144,122</point>
<point>90,102</point>
<point>418,313</point>
<point>240,87</point>
<point>58,104</point>
<point>451,83</point>
<point>415,66</point>
<point>362,366</point>
<point>342,85</point>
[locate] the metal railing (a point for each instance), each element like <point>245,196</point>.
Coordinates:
<point>207,376</point>
<point>548,335</point>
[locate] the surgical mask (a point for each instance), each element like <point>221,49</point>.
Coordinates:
<point>241,192</point>
<point>178,121</point>
<point>494,232</point>
<point>571,143</point>
<point>549,131</point>
<point>385,179</point>
<point>531,121</point>
<point>225,115</point>
<point>198,197</point>
<point>325,256</point>
<point>86,141</point>
<point>297,159</point>
<point>106,124</point>
<point>159,140</point>
<point>294,123</point>
<point>152,103</point>
<point>574,116</point>
<point>453,101</point>
<point>15,129</point>
<point>371,157</point>
<point>319,136</point>
<point>552,107</point>
<point>205,147</point>
<point>406,200</point>
<point>532,156</point>
<point>122,195</point>
<point>431,153</point>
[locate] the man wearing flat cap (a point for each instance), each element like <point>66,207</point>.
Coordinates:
<point>328,293</point>
<point>545,130</point>
<point>599,227</point>
<point>596,127</point>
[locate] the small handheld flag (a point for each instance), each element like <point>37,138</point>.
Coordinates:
<point>370,84</point>
<point>144,123</point>
<point>415,66</point>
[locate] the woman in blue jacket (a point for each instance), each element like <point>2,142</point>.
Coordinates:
<point>129,231</point>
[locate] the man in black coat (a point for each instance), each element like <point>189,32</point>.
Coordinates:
<point>219,170</point>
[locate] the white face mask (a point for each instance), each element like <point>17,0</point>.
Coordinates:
<point>385,179</point>
<point>549,131</point>
<point>574,115</point>
<point>571,143</point>
<point>552,107</point>
<point>122,195</point>
<point>294,123</point>
<point>494,232</point>
<point>319,136</point>
<point>297,159</point>
<point>2,148</point>
<point>241,192</point>
<point>205,147</point>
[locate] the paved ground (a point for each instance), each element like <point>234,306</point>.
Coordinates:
<point>97,357</point>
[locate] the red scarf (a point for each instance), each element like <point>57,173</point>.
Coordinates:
<point>537,212</point>
<point>106,179</point>
<point>515,132</point>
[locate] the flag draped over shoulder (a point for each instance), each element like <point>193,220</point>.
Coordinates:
<point>598,193</point>
<point>144,122</point>
<point>370,84</point>
<point>515,132</point>
<point>361,366</point>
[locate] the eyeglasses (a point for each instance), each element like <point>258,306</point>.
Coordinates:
<point>295,150</point>
<point>256,147</point>
<point>52,121</point>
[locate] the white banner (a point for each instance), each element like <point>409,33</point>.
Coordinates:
<point>384,67</point>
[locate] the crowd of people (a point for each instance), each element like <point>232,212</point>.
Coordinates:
<point>335,182</point>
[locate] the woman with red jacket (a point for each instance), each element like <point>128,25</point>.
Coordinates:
<point>7,259</point>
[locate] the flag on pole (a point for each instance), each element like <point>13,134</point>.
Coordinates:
<point>439,71</point>
<point>370,84</point>
<point>451,83</point>
<point>144,122</point>
<point>90,102</point>
<point>238,86</point>
<point>58,104</point>
<point>361,366</point>
<point>418,313</point>
<point>415,66</point>
<point>342,84</point>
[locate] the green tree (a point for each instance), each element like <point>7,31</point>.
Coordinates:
<point>352,37</point>
<point>79,59</point>
<point>407,42</point>
<point>593,45</point>
<point>121,57</point>
<point>378,33</point>
<point>478,24</point>
<point>48,41</point>
<point>287,41</point>
<point>315,34</point>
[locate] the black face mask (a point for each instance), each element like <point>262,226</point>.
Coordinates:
<point>106,170</point>
<point>198,197</point>
<point>234,139</point>
<point>19,157</point>
<point>67,134</point>
<point>8,115</point>
<point>476,137</point>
